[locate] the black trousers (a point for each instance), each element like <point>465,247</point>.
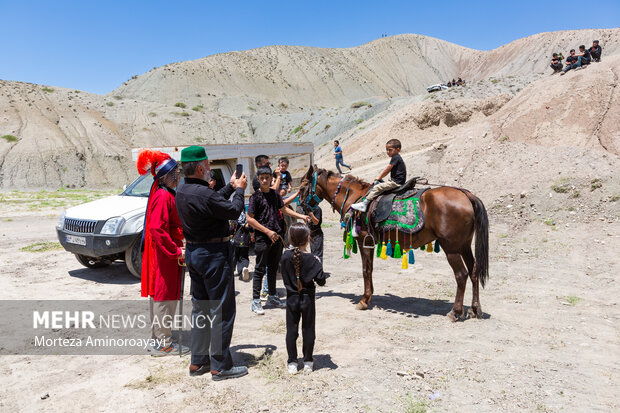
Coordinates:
<point>242,258</point>
<point>595,56</point>
<point>316,245</point>
<point>214,309</point>
<point>267,260</point>
<point>300,306</point>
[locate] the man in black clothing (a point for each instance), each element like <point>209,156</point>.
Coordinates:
<point>397,171</point>
<point>263,161</point>
<point>204,214</point>
<point>596,51</point>
<point>583,58</point>
<point>571,62</point>
<point>556,63</point>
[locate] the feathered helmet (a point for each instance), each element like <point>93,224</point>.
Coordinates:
<point>159,164</point>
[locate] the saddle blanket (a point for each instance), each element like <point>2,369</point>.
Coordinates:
<point>405,213</point>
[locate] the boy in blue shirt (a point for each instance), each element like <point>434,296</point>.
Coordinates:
<point>338,156</point>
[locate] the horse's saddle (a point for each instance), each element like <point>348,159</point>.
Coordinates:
<point>399,208</point>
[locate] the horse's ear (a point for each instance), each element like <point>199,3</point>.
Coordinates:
<point>308,175</point>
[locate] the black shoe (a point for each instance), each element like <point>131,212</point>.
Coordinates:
<point>231,373</point>
<point>199,369</point>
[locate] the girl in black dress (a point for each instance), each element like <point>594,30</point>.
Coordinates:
<point>300,270</point>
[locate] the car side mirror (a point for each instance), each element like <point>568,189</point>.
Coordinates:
<point>125,187</point>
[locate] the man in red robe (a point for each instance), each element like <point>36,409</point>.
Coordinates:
<point>163,248</point>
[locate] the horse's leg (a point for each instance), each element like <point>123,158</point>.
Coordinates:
<point>367,262</point>
<point>476,309</point>
<point>460,273</point>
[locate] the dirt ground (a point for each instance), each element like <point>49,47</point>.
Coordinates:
<point>549,340</point>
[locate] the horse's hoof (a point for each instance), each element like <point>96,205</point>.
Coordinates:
<point>474,312</point>
<point>452,317</point>
<point>361,306</point>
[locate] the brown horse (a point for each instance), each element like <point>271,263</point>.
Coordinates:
<point>452,216</point>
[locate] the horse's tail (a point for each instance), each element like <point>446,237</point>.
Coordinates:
<point>481,224</point>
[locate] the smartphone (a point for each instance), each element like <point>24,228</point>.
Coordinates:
<point>238,171</point>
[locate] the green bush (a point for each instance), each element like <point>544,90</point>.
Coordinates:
<point>357,105</point>
<point>180,105</point>
<point>360,120</point>
<point>47,90</point>
<point>561,186</point>
<point>9,138</point>
<point>110,103</point>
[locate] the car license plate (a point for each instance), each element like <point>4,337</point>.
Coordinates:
<point>72,239</point>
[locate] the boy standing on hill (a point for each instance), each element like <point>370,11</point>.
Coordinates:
<point>397,171</point>
<point>338,155</point>
<point>263,215</point>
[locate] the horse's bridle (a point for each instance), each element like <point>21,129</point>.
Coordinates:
<point>312,201</point>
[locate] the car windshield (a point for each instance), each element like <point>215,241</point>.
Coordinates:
<point>139,187</point>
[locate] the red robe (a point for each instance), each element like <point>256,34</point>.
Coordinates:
<point>163,239</point>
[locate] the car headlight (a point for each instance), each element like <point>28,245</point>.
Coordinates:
<point>133,225</point>
<point>112,225</point>
<point>61,220</point>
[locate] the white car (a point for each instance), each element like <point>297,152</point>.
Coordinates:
<point>436,88</point>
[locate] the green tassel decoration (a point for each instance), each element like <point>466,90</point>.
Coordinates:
<point>397,251</point>
<point>354,247</point>
<point>404,265</point>
<point>437,246</point>
<point>379,245</point>
<point>411,257</point>
<point>389,251</point>
<point>383,252</point>
<point>344,254</point>
<point>349,241</point>
<point>423,247</point>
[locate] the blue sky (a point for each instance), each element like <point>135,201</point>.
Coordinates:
<point>97,45</point>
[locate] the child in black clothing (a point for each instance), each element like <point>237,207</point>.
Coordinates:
<point>300,270</point>
<point>241,243</point>
<point>263,215</point>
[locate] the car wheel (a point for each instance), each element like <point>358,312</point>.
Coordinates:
<point>91,262</point>
<point>133,258</point>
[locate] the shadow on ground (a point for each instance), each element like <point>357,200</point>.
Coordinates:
<point>115,273</point>
<point>409,306</point>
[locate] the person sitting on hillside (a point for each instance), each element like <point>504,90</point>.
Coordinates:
<point>595,51</point>
<point>583,58</point>
<point>556,63</point>
<point>459,82</point>
<point>570,61</point>
<point>449,84</point>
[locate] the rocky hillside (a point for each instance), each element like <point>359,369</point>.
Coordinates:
<point>53,137</point>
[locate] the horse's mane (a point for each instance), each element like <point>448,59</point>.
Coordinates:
<point>349,178</point>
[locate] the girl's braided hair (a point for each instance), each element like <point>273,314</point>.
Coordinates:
<point>298,235</point>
